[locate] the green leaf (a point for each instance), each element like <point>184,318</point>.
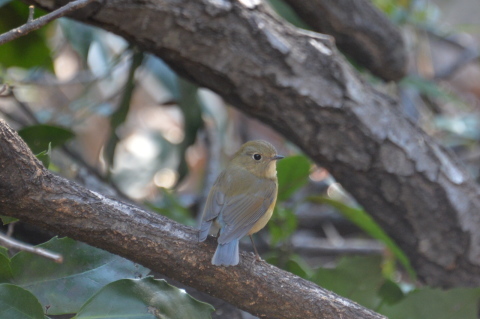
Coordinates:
<point>356,278</point>
<point>6,273</point>
<point>289,262</point>
<point>292,173</point>
<point>65,287</point>
<point>276,234</point>
<point>18,303</point>
<point>144,298</point>
<point>428,303</point>
<point>286,12</point>
<point>390,292</point>
<point>38,137</point>
<point>3,251</point>
<point>297,266</point>
<point>28,51</point>
<point>360,218</point>
<point>191,106</point>
<point>282,225</point>
<point>45,156</point>
<point>7,219</point>
<point>171,207</point>
<point>120,115</point>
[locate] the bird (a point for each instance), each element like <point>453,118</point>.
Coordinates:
<point>241,201</point>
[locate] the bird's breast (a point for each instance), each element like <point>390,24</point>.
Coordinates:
<point>264,219</point>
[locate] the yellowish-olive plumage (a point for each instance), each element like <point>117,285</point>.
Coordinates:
<point>242,199</point>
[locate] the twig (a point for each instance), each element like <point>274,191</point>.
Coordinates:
<point>40,22</point>
<point>4,90</point>
<point>31,12</point>
<point>468,54</point>
<point>24,107</point>
<point>11,227</point>
<point>14,244</point>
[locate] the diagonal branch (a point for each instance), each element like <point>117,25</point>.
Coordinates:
<point>30,192</point>
<point>36,24</point>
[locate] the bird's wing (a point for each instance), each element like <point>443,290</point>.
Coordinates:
<point>246,199</point>
<point>215,200</point>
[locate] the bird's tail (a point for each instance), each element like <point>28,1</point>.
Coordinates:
<point>226,254</point>
<point>203,231</point>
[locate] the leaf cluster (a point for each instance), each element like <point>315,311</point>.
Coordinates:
<point>91,283</point>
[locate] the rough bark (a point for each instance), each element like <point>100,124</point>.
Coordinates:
<point>30,192</point>
<point>297,82</point>
<point>361,31</point>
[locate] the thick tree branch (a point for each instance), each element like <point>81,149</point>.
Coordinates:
<point>297,82</point>
<point>361,31</point>
<point>30,192</point>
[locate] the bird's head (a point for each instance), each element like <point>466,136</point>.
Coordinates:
<point>258,157</point>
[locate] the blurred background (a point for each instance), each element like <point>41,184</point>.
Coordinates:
<point>99,111</point>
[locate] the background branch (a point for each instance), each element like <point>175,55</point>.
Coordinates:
<point>30,192</point>
<point>36,24</point>
<point>361,31</point>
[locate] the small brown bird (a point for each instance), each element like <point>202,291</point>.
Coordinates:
<point>242,200</point>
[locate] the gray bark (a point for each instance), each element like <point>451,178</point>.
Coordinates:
<point>297,82</point>
<point>361,31</point>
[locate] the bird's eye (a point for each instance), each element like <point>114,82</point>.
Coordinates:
<point>257,157</point>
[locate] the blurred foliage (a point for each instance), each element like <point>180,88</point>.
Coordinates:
<point>361,219</point>
<point>185,95</point>
<point>170,206</point>
<point>287,13</point>
<point>292,174</point>
<point>118,117</point>
<point>421,12</point>
<point>31,51</point>
<point>428,303</point>
<point>43,137</point>
<point>430,88</point>
<point>191,106</point>
<point>357,278</point>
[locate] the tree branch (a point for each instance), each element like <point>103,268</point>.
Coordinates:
<point>297,82</point>
<point>361,31</point>
<point>30,192</point>
<point>36,24</point>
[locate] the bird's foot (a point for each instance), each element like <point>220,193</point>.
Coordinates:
<point>257,258</point>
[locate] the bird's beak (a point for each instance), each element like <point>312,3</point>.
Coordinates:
<point>277,157</point>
